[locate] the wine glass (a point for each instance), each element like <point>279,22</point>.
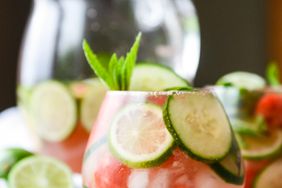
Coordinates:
<point>162,139</point>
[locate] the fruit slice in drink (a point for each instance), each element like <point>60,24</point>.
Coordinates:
<point>138,136</point>
<point>262,146</point>
<point>91,102</point>
<point>230,168</point>
<point>54,112</point>
<point>198,123</point>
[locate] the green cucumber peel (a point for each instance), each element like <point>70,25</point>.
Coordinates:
<point>232,174</point>
<point>255,127</point>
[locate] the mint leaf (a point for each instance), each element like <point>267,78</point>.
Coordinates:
<point>130,61</point>
<point>272,74</point>
<point>112,69</point>
<point>118,73</point>
<point>96,66</point>
<point>113,62</point>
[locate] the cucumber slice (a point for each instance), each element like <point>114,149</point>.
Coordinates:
<point>270,176</point>
<point>154,77</point>
<point>262,146</point>
<point>91,102</point>
<point>231,168</point>
<point>245,80</point>
<point>238,103</point>
<point>138,136</point>
<point>53,111</point>
<point>199,125</point>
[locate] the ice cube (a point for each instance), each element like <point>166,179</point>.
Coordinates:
<point>138,179</point>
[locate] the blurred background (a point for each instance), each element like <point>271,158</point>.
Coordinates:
<point>13,18</point>
<point>234,36</point>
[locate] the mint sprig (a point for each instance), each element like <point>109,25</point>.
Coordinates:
<point>117,75</point>
<point>272,74</point>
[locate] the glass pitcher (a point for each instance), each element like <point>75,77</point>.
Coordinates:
<point>56,90</point>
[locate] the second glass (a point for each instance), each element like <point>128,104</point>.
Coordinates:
<point>256,119</point>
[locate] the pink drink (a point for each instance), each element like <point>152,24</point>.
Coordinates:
<point>104,170</point>
<point>70,150</point>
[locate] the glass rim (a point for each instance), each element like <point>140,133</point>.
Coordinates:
<point>160,93</point>
<point>267,89</point>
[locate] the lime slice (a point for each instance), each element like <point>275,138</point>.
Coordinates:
<point>244,80</point>
<point>40,172</point>
<point>9,157</point>
<point>53,111</point>
<point>155,77</point>
<point>91,102</point>
<point>23,95</point>
<point>138,136</point>
<point>261,147</point>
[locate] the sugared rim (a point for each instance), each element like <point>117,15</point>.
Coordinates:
<point>159,93</point>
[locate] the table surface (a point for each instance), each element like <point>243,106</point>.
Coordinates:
<point>13,132</point>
